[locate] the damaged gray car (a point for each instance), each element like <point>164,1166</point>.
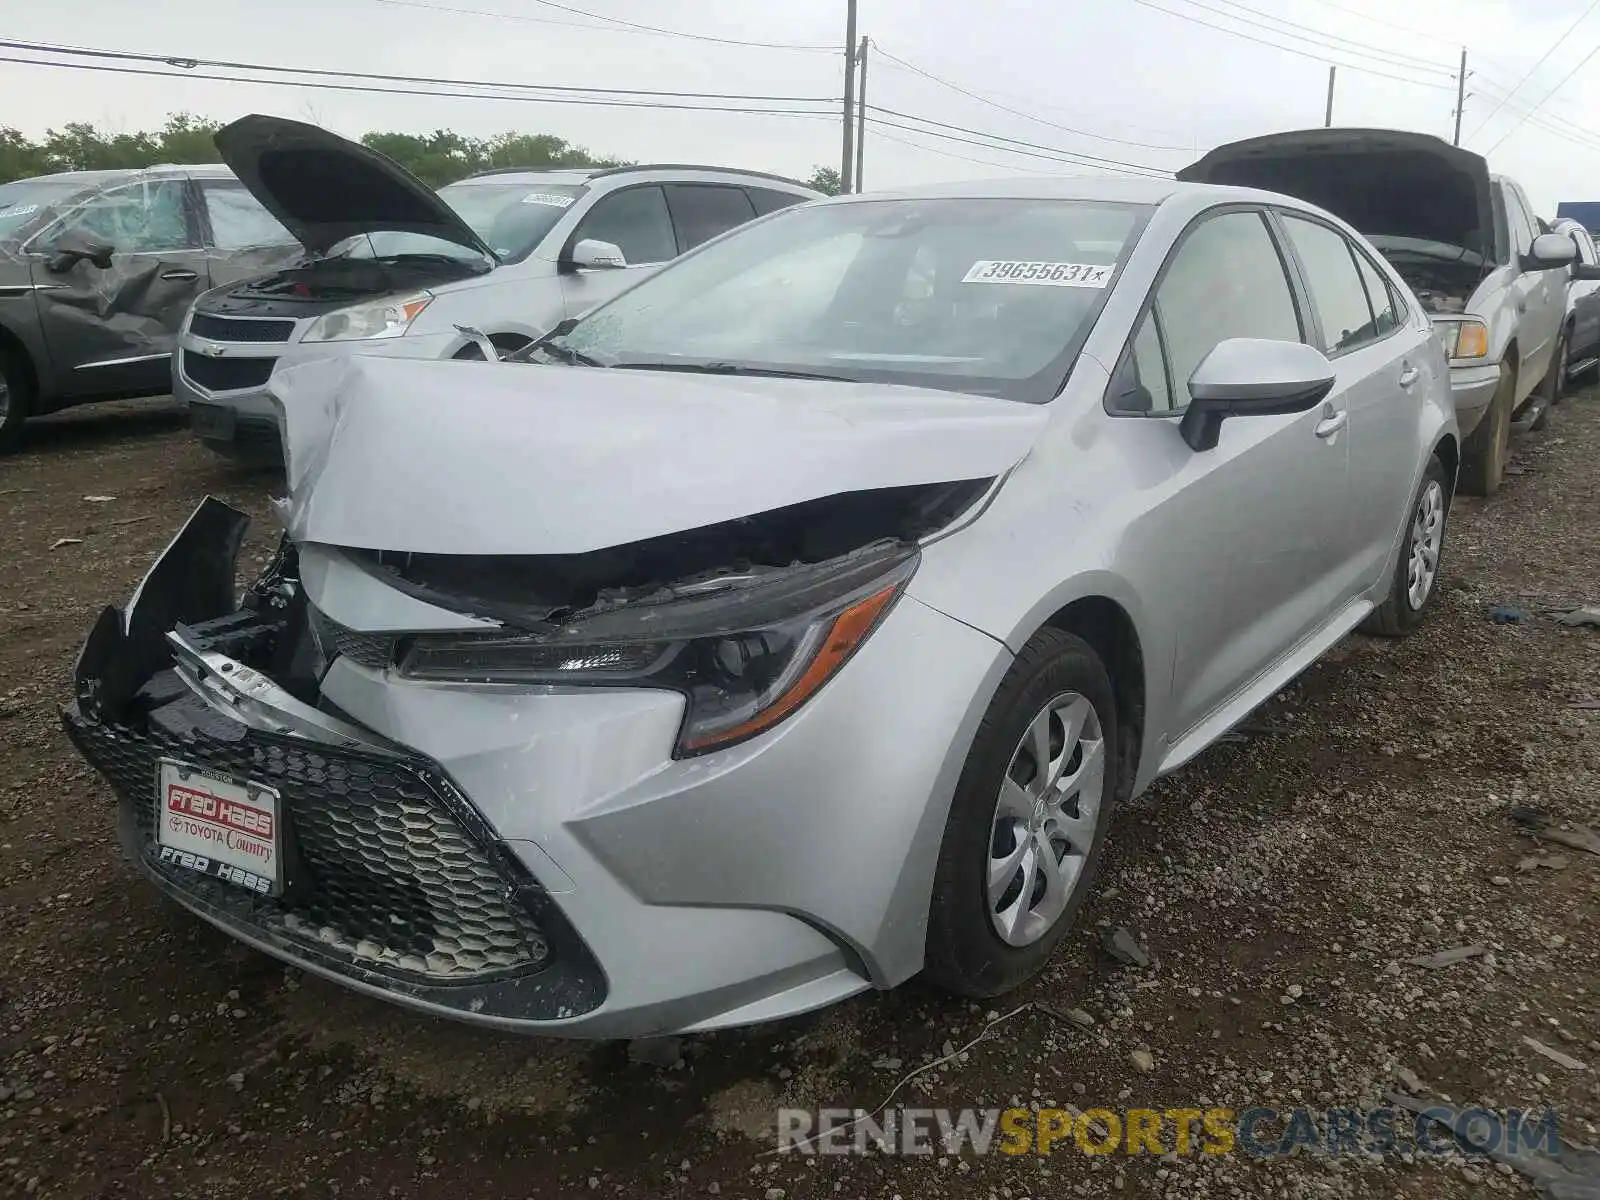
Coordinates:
<point>99,268</point>
<point>789,625</point>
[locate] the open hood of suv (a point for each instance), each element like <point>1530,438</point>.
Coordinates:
<point>1382,181</point>
<point>324,188</point>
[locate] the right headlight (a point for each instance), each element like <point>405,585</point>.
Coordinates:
<point>364,322</point>
<point>745,655</point>
<point>1464,338</point>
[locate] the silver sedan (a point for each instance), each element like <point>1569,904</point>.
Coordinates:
<point>792,624</point>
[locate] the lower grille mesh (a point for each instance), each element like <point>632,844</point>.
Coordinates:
<point>387,876</point>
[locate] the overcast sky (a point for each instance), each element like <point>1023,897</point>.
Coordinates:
<point>1114,79</point>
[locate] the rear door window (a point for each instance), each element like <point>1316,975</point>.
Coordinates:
<point>766,200</point>
<point>636,221</point>
<point>238,221</point>
<point>1386,306</point>
<point>1335,282</point>
<point>702,211</point>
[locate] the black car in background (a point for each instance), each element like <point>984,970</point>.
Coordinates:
<point>98,269</point>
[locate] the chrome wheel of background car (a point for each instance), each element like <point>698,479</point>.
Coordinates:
<point>5,400</point>
<point>1427,535</point>
<point>1045,819</point>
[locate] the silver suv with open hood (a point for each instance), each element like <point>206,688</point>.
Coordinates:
<point>1465,240</point>
<point>394,268</point>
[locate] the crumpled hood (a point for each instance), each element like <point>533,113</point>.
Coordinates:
<point>325,189</point>
<point>486,458</point>
<point>1382,181</point>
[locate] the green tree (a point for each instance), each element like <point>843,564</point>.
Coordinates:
<point>825,180</point>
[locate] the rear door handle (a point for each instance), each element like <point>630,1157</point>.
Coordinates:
<point>1331,423</point>
<point>1409,375</point>
<point>179,275</point>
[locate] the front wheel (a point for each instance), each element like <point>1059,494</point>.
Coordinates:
<point>1027,822</point>
<point>1417,572</point>
<point>14,396</point>
<point>1483,454</point>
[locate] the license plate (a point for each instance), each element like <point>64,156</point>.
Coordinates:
<point>219,827</point>
<point>211,421</point>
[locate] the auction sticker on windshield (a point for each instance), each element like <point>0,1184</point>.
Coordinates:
<point>218,827</point>
<point>548,198</point>
<point>1050,274</point>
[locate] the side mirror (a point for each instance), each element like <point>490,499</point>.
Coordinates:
<point>75,245</point>
<point>598,256</point>
<point>1252,377</point>
<point>1548,252</point>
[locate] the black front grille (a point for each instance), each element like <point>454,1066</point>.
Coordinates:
<point>226,374</point>
<point>234,329</point>
<point>375,650</point>
<point>384,873</point>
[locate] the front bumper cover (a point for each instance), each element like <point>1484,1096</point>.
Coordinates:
<point>394,882</point>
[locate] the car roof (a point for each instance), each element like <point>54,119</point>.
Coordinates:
<point>579,175</point>
<point>89,179</point>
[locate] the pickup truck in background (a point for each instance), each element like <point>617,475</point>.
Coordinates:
<point>1490,276</point>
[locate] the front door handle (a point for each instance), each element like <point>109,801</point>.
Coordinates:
<point>1409,375</point>
<point>1332,422</point>
<point>179,275</point>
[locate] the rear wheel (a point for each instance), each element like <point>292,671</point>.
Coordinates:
<point>16,395</point>
<point>1027,822</point>
<point>1417,571</point>
<point>1483,454</point>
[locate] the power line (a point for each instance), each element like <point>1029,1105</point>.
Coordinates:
<point>1554,46</point>
<point>1321,58</point>
<point>1411,29</point>
<point>1389,57</point>
<point>616,25</point>
<point>324,85</point>
<point>186,62</point>
<point>982,162</point>
<point>1000,142</point>
<point>879,123</point>
<point>1565,79</point>
<point>1560,127</point>
<point>982,99</point>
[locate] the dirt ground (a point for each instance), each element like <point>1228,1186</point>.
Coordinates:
<point>1280,882</point>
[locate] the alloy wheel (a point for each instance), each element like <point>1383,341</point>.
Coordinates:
<point>1427,536</point>
<point>1045,819</point>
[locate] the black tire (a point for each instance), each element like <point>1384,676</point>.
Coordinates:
<point>1397,615</point>
<point>16,399</point>
<point>964,953</point>
<point>1483,454</point>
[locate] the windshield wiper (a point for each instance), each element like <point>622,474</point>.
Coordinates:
<point>731,368</point>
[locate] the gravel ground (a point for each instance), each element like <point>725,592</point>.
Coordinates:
<point>1280,881</point>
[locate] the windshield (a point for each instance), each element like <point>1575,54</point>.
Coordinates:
<point>511,218</point>
<point>21,202</point>
<point>990,296</point>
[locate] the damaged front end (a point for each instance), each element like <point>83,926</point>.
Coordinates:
<point>244,798</point>
<point>249,795</point>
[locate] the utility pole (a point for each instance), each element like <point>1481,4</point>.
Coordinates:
<point>1461,95</point>
<point>847,159</point>
<point>1327,120</point>
<point>861,116</point>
